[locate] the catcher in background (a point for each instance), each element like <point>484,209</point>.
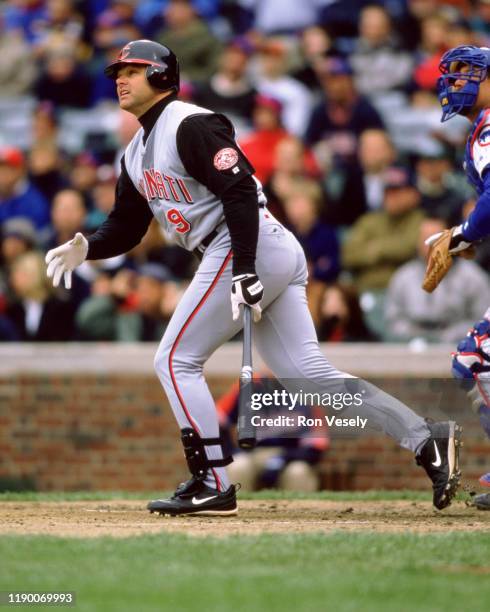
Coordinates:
<point>464,89</point>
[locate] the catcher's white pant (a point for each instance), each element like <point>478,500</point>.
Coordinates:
<point>285,337</point>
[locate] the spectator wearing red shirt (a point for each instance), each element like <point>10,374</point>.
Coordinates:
<point>434,30</point>
<point>292,164</point>
<point>260,145</point>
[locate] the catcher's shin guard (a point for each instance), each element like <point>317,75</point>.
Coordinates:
<point>471,365</point>
<point>195,453</point>
<point>482,501</point>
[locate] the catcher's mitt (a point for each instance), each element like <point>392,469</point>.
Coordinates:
<point>440,259</point>
<point>439,262</point>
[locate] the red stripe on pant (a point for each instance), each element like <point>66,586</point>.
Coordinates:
<point>177,340</point>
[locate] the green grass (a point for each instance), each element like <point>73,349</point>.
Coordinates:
<point>267,494</point>
<point>355,572</point>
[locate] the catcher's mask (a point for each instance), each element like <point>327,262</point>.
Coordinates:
<point>465,63</point>
<point>162,70</point>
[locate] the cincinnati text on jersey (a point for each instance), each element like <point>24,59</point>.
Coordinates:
<point>164,187</point>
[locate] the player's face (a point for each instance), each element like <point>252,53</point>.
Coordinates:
<point>463,68</point>
<point>483,97</point>
<point>133,90</point>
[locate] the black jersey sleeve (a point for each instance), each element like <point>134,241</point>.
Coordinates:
<point>241,210</point>
<point>126,224</point>
<point>206,145</point>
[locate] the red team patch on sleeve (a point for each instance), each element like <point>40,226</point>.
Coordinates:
<point>225,159</point>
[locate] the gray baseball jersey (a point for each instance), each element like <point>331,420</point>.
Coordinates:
<point>186,209</point>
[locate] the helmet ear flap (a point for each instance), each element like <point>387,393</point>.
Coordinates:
<point>154,77</point>
<point>157,77</point>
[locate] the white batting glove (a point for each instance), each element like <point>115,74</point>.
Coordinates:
<point>457,244</point>
<point>246,289</point>
<point>65,258</point>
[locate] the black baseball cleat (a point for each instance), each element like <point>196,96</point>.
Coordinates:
<point>194,497</point>
<point>440,459</point>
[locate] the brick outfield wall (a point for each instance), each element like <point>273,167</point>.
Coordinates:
<point>117,432</point>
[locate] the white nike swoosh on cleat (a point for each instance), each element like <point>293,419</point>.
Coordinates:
<point>438,461</point>
<point>198,502</point>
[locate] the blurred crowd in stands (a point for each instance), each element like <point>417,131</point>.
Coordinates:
<point>333,102</point>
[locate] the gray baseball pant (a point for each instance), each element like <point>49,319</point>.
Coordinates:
<point>285,338</point>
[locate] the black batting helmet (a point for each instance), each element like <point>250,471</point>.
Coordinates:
<point>163,68</point>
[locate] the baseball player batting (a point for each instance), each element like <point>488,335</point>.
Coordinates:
<point>464,89</point>
<point>184,168</point>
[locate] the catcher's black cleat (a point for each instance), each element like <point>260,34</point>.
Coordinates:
<point>194,497</point>
<point>440,459</point>
<point>482,501</point>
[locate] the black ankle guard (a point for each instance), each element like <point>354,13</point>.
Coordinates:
<point>195,453</point>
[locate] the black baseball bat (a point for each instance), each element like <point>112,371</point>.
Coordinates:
<point>246,431</point>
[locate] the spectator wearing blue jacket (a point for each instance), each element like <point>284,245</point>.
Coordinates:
<point>343,114</point>
<point>319,240</point>
<point>18,196</point>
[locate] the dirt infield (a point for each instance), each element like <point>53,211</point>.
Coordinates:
<point>129,518</point>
